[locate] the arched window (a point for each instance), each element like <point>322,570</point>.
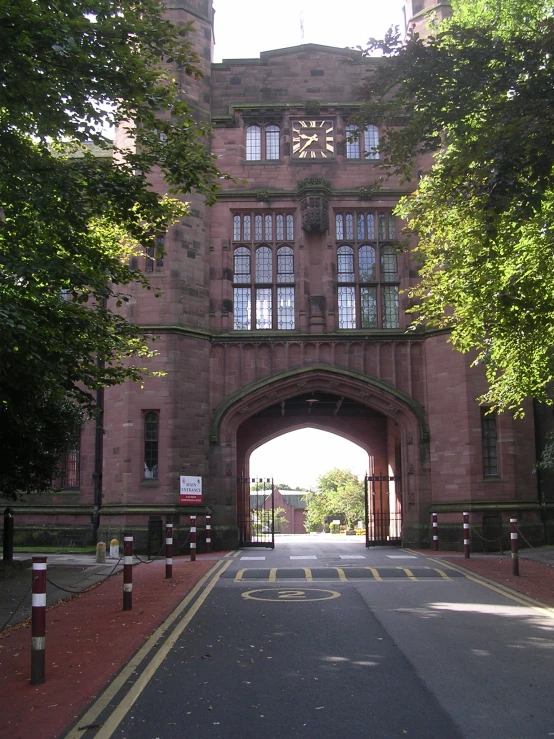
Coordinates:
<point>151,445</point>
<point>264,292</point>
<point>241,265</point>
<point>253,143</point>
<point>285,264</point>
<point>346,264</point>
<point>272,142</point>
<point>367,273</point>
<point>352,142</point>
<point>366,261</point>
<point>371,142</point>
<point>389,266</point>
<point>264,264</point>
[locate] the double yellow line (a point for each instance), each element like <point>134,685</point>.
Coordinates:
<point>196,597</point>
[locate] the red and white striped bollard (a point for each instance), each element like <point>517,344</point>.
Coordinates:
<point>193,538</point>
<point>514,545</point>
<point>127,572</point>
<point>38,621</point>
<point>435,533</point>
<point>168,550</point>
<point>466,535</point>
<point>208,534</point>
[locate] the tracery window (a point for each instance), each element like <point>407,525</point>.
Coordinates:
<point>367,270</point>
<point>262,140</point>
<point>362,145</point>
<point>263,273</point>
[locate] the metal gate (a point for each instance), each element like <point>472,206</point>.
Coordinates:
<point>256,512</point>
<point>383,513</point>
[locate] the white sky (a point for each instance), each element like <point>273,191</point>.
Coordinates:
<point>300,457</point>
<point>244,28</point>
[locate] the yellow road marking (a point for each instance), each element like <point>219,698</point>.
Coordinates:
<point>291,596</point>
<point>240,573</point>
<point>523,600</point>
<point>374,572</point>
<point>308,574</point>
<point>442,573</point>
<point>272,575</point>
<point>408,572</point>
<point>340,572</point>
<point>126,673</point>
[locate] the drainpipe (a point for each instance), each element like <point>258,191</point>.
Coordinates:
<point>98,457</point>
<point>539,473</point>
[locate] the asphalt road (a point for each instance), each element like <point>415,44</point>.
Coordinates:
<point>323,638</point>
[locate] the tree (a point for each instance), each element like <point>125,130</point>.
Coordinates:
<point>70,218</point>
<point>478,96</point>
<point>339,493</point>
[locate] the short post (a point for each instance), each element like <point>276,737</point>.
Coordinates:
<point>435,533</point>
<point>193,538</point>
<point>7,549</point>
<point>208,534</point>
<point>514,543</point>
<point>114,549</point>
<point>168,550</point>
<point>38,621</point>
<point>101,553</point>
<point>466,535</point>
<point>127,572</point>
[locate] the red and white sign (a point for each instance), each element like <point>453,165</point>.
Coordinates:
<point>190,490</point>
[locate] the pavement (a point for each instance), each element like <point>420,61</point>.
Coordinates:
<point>90,638</point>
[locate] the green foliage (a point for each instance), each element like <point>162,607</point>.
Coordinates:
<point>70,220</point>
<point>478,96</point>
<point>339,492</point>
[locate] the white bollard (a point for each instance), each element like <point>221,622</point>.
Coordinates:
<point>114,549</point>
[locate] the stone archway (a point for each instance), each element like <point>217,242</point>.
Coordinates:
<point>386,422</point>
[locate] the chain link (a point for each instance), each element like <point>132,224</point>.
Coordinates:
<point>524,539</point>
<point>75,592</point>
<point>149,561</point>
<point>489,541</point>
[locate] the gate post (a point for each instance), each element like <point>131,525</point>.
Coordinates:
<point>127,572</point>
<point>435,533</point>
<point>466,535</point>
<point>366,511</point>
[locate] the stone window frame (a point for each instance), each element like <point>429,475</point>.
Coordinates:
<point>264,282</point>
<point>262,141</point>
<point>361,145</point>
<point>367,269</point>
<point>150,446</point>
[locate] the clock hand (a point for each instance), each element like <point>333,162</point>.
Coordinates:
<point>310,141</point>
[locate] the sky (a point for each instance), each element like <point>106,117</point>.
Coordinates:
<point>300,457</point>
<point>244,28</point>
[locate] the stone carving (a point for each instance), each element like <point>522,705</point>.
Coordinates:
<point>409,438</point>
<point>315,214</point>
<point>393,409</point>
<point>410,468</point>
<point>245,409</point>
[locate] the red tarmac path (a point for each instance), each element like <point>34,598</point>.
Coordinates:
<point>90,638</point>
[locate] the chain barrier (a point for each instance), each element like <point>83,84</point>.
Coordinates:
<point>489,541</point>
<point>5,625</point>
<point>524,539</point>
<point>75,592</point>
<point>184,543</point>
<point>149,561</point>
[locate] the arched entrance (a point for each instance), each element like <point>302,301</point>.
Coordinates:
<point>385,422</point>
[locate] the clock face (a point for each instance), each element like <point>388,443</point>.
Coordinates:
<point>313,139</point>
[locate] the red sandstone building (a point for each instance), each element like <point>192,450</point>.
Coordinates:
<point>284,307</point>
